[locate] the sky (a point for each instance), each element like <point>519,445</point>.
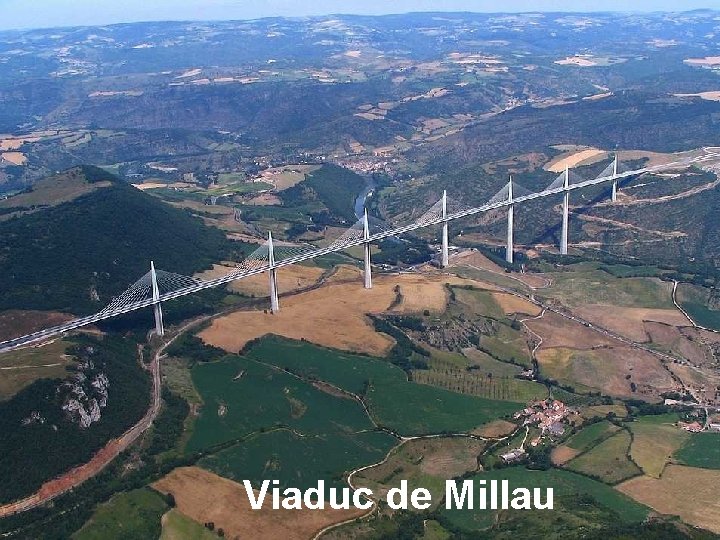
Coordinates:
<point>50,13</point>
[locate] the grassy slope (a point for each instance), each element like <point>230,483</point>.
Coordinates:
<point>132,514</point>
<point>701,450</point>
<point>569,490</point>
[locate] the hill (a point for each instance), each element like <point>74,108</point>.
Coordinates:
<point>335,187</point>
<point>76,255</point>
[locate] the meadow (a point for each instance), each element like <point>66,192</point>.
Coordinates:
<point>177,526</point>
<point>701,450</point>
<point>569,490</point>
<point>300,459</point>
<point>348,371</point>
<point>241,396</point>
<point>656,439</point>
<point>130,514</point>
<point>607,461</point>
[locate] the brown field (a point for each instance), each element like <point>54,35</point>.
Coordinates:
<point>495,429</point>
<point>265,199</point>
<point>204,496</point>
<point>687,492</point>
<point>290,278</point>
<point>334,315</point>
<point>16,158</point>
<point>287,176</point>
<point>15,322</point>
<point>478,260</point>
<point>580,61</point>
<point>603,410</point>
<point>558,331</point>
<point>606,369</point>
<point>11,144</point>
<point>562,454</point>
<point>675,339</point>
<point>707,61</point>
<point>654,158</point>
<point>20,368</point>
<point>628,321</point>
<point>708,96</point>
<point>513,304</point>
<point>573,159</point>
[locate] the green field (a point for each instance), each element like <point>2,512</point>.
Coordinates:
<point>507,345</point>
<point>591,435</point>
<point>416,409</point>
<point>177,526</point>
<point>241,396</point>
<point>476,373</point>
<point>348,371</point>
<point>403,406</point>
<point>300,459</point>
<point>607,461</point>
<point>131,514</point>
<point>695,301</point>
<point>478,302</point>
<point>477,383</point>
<point>579,501</point>
<point>584,283</point>
<point>655,440</point>
<point>701,450</point>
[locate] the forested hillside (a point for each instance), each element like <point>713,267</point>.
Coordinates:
<point>79,254</point>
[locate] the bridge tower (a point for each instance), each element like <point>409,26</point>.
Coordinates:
<point>565,216</point>
<point>445,247</point>
<point>510,218</point>
<point>366,236</point>
<point>274,303</point>
<point>157,308</point>
<point>615,182</point>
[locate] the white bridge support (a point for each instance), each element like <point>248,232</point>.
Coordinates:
<point>445,245</point>
<point>274,302</point>
<point>615,182</point>
<point>565,216</point>
<point>157,308</point>
<point>367,274</point>
<point>510,217</point>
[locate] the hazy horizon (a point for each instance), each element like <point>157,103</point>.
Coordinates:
<point>21,15</point>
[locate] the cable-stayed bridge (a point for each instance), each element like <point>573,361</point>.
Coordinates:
<point>158,286</point>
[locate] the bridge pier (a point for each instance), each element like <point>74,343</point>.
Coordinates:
<point>510,217</point>
<point>615,182</point>
<point>274,302</point>
<point>445,245</point>
<point>565,216</point>
<point>157,308</point>
<point>367,274</point>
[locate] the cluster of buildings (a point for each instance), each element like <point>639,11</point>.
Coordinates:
<point>549,415</point>
<point>692,427</point>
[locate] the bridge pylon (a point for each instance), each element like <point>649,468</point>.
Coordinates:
<point>157,308</point>
<point>274,302</point>
<point>510,217</point>
<point>367,274</point>
<point>565,216</point>
<point>615,182</point>
<point>445,245</point>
